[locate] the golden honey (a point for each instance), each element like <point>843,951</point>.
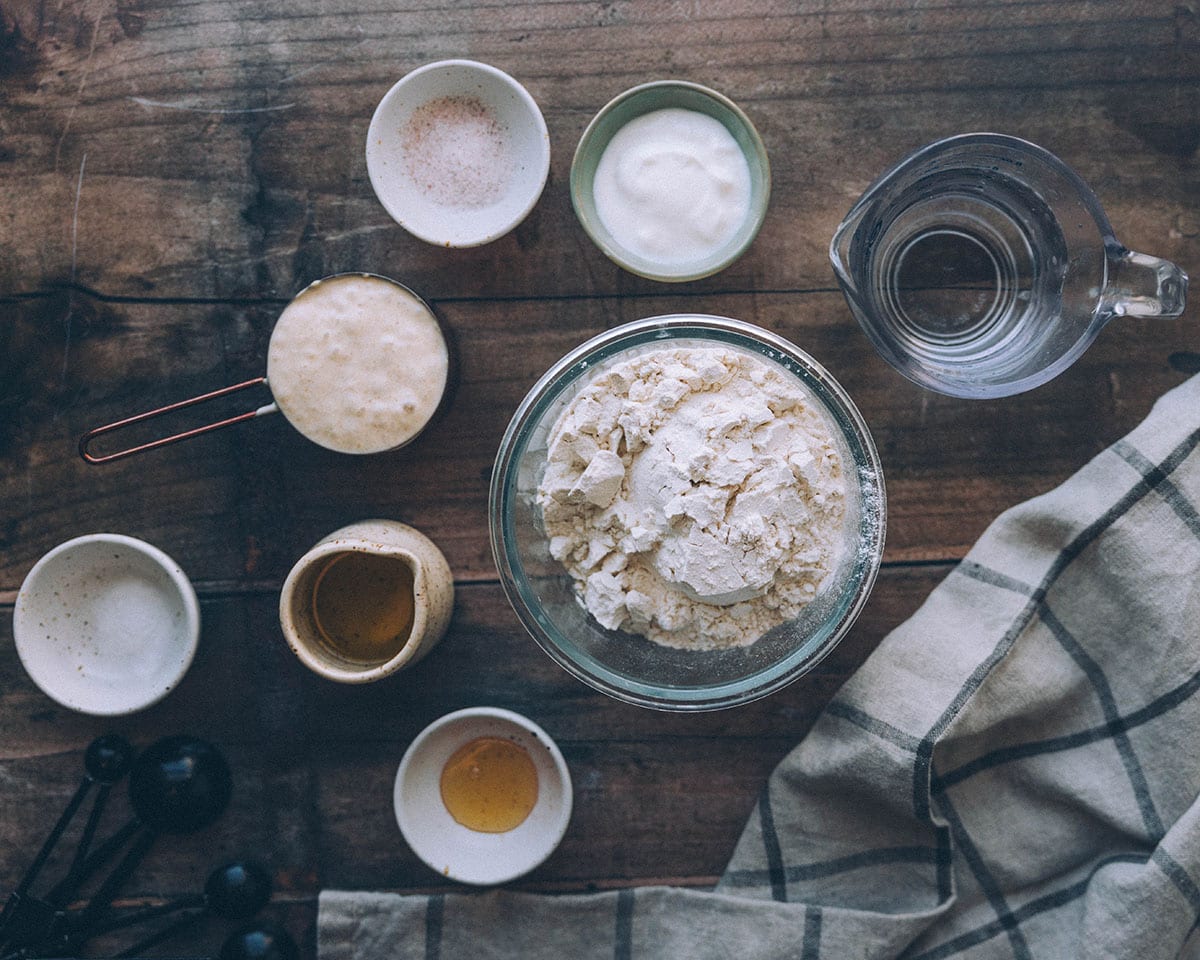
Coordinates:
<point>489,785</point>
<point>363,605</point>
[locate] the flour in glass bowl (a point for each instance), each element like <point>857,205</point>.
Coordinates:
<point>695,495</point>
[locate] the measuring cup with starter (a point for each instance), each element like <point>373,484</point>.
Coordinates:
<point>357,363</point>
<point>982,266</point>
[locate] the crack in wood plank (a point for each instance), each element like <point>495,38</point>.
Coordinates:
<point>83,78</point>
<point>197,108</point>
<point>74,263</point>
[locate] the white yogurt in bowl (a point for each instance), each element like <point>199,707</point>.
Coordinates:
<point>671,181</point>
<point>672,186</point>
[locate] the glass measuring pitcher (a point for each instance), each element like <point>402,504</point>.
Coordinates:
<point>982,266</point>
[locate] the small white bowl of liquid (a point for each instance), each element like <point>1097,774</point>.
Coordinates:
<point>671,181</point>
<point>106,624</point>
<point>458,153</point>
<point>483,795</point>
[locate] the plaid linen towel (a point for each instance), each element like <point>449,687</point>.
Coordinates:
<point>1014,772</point>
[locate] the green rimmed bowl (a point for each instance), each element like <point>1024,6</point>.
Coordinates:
<point>647,98</point>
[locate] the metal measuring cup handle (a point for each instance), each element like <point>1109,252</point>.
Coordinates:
<point>86,440</point>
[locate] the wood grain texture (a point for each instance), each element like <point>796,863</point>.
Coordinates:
<point>237,128</point>
<point>241,506</point>
<point>658,797</point>
<point>173,172</point>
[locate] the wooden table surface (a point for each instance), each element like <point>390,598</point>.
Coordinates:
<point>174,171</point>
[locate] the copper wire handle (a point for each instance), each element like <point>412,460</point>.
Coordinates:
<point>86,440</point>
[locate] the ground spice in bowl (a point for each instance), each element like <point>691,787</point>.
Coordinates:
<point>456,150</point>
<point>458,153</point>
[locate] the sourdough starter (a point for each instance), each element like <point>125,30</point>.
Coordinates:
<point>357,363</point>
<point>695,495</point>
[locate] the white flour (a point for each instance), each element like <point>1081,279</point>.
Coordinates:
<point>695,495</point>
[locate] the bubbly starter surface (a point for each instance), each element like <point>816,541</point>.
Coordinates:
<point>357,364</point>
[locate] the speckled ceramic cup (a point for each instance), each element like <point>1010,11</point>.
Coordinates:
<point>432,599</point>
<point>106,624</point>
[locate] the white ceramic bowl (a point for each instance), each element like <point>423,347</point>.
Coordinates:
<point>443,170</point>
<point>455,851</point>
<point>106,624</point>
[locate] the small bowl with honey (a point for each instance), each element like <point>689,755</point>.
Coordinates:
<point>483,795</point>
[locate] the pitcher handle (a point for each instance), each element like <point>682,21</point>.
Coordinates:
<point>1143,286</point>
<point>86,440</point>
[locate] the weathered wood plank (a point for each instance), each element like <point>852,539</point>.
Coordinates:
<point>241,506</point>
<point>246,689</point>
<point>244,145</point>
<point>314,761</point>
<point>174,172</point>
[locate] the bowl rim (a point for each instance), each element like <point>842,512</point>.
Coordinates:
<point>873,523</point>
<point>495,75</point>
<point>549,840</point>
<point>626,259</point>
<point>189,605</point>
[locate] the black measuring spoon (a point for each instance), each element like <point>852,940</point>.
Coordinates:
<point>259,941</point>
<point>235,891</point>
<point>105,761</point>
<point>179,785</point>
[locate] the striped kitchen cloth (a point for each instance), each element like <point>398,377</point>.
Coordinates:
<point>1014,772</point>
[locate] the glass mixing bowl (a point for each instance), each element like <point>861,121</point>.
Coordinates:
<point>632,668</point>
